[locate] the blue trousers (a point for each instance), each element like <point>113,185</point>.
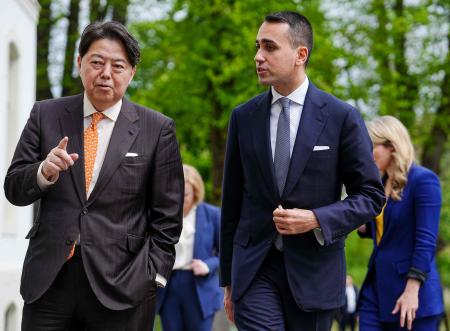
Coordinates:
<point>181,310</point>
<point>369,315</point>
<point>268,304</point>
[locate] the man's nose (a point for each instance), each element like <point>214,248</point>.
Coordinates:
<point>258,56</point>
<point>106,72</point>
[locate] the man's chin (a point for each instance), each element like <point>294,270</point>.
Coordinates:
<point>103,103</point>
<point>264,82</point>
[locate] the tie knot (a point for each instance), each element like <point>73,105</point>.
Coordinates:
<point>285,102</point>
<point>97,117</point>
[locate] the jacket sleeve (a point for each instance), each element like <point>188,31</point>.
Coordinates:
<point>427,206</point>
<point>359,174</point>
<point>165,202</point>
<point>21,186</point>
<point>231,200</point>
<point>213,260</point>
<point>368,233</point>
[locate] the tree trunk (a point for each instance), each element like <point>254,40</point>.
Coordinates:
<point>434,146</point>
<point>119,10</point>
<point>71,85</point>
<point>378,49</point>
<point>407,87</point>
<point>218,140</point>
<point>43,86</point>
<point>97,11</point>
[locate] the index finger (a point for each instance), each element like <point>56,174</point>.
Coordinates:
<point>63,143</point>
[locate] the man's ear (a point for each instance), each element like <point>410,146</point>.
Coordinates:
<point>302,55</point>
<point>133,72</point>
<point>79,62</point>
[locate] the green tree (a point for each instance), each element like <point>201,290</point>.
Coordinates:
<point>198,64</point>
<point>399,66</point>
<point>49,17</point>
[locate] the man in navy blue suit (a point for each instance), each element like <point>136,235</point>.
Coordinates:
<point>290,150</point>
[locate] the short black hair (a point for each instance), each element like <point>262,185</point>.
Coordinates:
<point>300,29</point>
<point>110,30</point>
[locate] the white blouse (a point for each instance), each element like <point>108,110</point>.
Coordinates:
<point>185,247</point>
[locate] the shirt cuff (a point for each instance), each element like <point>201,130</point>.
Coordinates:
<point>160,280</point>
<point>417,274</point>
<point>319,236</point>
<point>43,183</point>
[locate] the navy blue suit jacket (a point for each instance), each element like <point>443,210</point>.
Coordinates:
<point>206,248</point>
<point>316,273</point>
<point>409,241</point>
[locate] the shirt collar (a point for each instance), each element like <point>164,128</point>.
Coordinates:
<point>297,96</point>
<point>112,112</point>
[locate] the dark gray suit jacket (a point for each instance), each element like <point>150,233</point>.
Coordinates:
<point>130,222</point>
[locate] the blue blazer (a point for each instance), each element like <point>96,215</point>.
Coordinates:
<point>409,241</point>
<point>206,248</point>
<point>316,273</point>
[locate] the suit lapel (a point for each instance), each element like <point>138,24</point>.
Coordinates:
<point>124,133</point>
<point>260,124</point>
<point>390,204</point>
<point>71,123</point>
<point>312,122</point>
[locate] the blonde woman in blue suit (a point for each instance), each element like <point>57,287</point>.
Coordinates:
<point>192,295</point>
<point>402,287</point>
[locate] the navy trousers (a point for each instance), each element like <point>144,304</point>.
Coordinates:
<point>369,315</point>
<point>268,303</point>
<point>181,309</point>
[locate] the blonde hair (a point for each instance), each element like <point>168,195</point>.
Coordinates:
<point>192,176</point>
<point>389,131</point>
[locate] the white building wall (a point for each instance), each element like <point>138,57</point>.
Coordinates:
<point>17,95</point>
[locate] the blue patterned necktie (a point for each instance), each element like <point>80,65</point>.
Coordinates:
<point>282,156</point>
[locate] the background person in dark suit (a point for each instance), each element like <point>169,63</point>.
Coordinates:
<point>109,176</point>
<point>402,287</point>
<point>193,295</point>
<point>283,226</point>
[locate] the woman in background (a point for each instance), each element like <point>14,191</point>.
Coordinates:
<point>402,286</point>
<point>192,294</point>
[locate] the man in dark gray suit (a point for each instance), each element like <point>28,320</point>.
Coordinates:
<point>110,179</point>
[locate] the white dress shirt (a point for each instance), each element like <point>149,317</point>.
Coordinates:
<point>185,247</point>
<point>297,98</point>
<point>105,128</point>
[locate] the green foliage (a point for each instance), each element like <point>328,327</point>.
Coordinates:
<point>384,56</point>
<point>198,64</point>
<point>357,252</point>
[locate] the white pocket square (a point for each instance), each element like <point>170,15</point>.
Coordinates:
<point>321,148</point>
<point>131,155</point>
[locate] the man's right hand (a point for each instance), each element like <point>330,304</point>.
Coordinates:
<point>228,304</point>
<point>58,160</point>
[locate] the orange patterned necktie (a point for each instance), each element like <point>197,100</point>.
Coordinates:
<point>90,152</point>
<point>90,147</point>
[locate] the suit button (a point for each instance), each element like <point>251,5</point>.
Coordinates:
<point>69,242</point>
<point>84,211</point>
